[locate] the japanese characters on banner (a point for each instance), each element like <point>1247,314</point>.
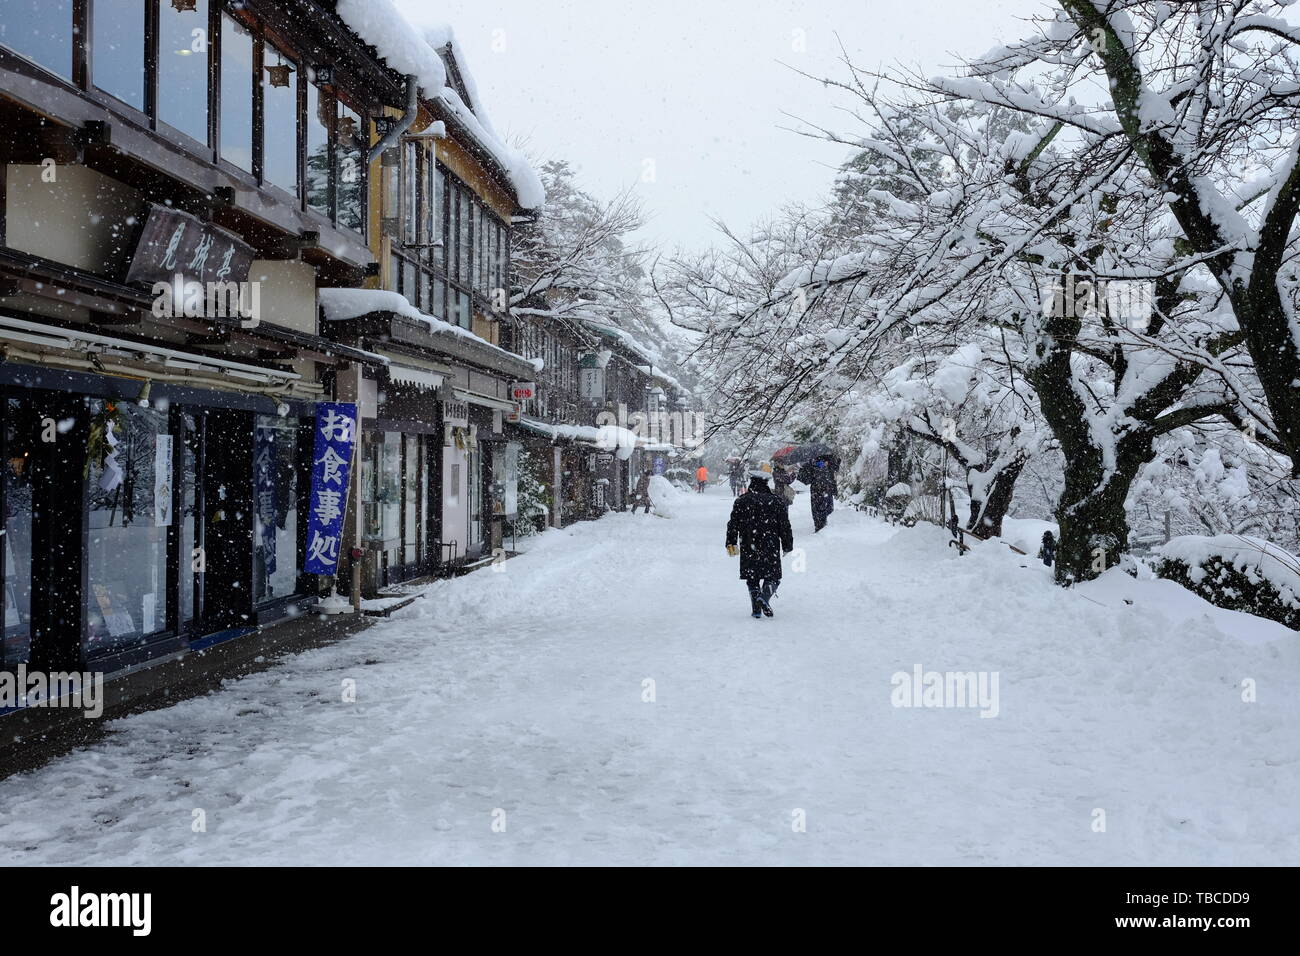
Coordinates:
<point>336,433</point>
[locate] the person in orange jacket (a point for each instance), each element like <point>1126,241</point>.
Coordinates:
<point>701,478</point>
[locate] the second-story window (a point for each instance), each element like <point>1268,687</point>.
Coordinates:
<point>183,67</point>
<point>319,120</point>
<point>40,30</point>
<point>351,165</point>
<point>236,93</point>
<point>117,50</point>
<point>280,119</point>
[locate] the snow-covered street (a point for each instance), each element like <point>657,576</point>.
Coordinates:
<point>504,719</point>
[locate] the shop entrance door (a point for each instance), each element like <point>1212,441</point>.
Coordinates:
<point>455,501</point>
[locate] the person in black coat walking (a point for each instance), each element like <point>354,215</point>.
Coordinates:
<point>759,530</point>
<point>819,476</point>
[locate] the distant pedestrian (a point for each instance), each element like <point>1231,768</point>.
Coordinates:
<point>783,478</point>
<point>736,477</point>
<point>759,531</point>
<point>701,478</point>
<point>819,476</point>
<point>642,492</point>
<point>1047,553</point>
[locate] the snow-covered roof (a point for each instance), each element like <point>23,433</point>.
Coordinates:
<point>621,441</point>
<point>341,304</point>
<point>412,52</point>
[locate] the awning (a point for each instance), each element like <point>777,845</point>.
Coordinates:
<point>499,404</point>
<point>414,376</point>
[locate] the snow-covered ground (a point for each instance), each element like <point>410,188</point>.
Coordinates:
<point>502,719</point>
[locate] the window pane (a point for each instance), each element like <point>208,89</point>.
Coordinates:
<point>466,237</point>
<point>433,208</point>
<point>127,482</point>
<point>410,193</point>
<point>189,514</point>
<point>236,94</point>
<point>117,49</point>
<point>183,68</point>
<point>351,159</point>
<point>20,430</point>
<point>40,30</point>
<point>408,280</point>
<point>318,160</point>
<point>410,506</point>
<point>280,103</point>
<point>275,515</point>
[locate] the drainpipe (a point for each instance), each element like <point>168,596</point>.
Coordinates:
<point>402,125</point>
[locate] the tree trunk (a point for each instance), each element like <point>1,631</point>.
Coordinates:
<point>986,515</point>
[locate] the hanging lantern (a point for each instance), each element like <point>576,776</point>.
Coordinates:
<point>279,74</point>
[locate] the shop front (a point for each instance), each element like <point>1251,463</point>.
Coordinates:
<point>136,527</point>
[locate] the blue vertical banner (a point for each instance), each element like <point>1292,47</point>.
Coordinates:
<point>331,460</point>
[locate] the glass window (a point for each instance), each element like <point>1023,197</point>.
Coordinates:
<point>411,193</point>
<point>318,149</point>
<point>381,486</point>
<point>190,515</point>
<point>20,431</point>
<point>275,514</point>
<point>410,503</point>
<point>280,119</point>
<point>438,307</point>
<point>183,67</point>
<point>351,175</point>
<point>433,209</point>
<point>129,487</point>
<point>236,93</point>
<point>408,279</point>
<point>40,30</point>
<point>117,49</point>
<point>466,236</point>
<point>460,308</point>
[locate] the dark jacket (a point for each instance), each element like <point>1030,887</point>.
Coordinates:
<point>820,480</point>
<point>643,486</point>
<point>760,524</point>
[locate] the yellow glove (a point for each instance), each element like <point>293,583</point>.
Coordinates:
<point>732,550</point>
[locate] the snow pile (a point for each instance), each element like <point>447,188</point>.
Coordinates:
<point>342,304</point>
<point>408,52</point>
<point>665,496</point>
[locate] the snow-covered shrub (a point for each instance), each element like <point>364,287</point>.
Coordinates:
<point>1237,572</point>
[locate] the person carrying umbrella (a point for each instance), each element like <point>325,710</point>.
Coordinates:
<point>759,531</point>
<point>819,476</point>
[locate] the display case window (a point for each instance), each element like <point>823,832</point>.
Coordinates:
<point>19,432</point>
<point>130,500</point>
<point>381,492</point>
<point>275,507</point>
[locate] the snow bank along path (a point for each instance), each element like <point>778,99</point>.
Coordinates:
<point>523,691</point>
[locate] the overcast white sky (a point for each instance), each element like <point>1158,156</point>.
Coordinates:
<point>696,86</point>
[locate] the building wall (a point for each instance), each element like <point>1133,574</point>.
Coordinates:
<point>83,218</point>
<point>288,293</point>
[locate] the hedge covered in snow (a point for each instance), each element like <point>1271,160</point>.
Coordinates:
<point>1237,572</point>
